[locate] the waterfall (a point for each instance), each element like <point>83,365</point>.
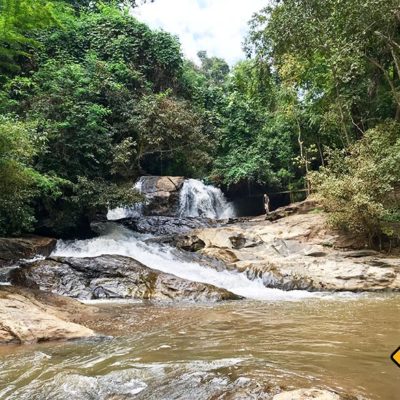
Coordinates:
<point>195,200</point>
<point>200,200</point>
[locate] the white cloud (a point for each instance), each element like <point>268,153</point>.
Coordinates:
<point>217,26</point>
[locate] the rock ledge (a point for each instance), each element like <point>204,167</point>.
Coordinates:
<point>112,276</point>
<point>29,317</point>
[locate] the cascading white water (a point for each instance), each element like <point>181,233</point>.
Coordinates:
<point>118,240</point>
<point>128,212</point>
<point>200,200</point>
<point>195,200</point>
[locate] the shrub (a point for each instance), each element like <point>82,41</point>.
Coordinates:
<point>358,187</point>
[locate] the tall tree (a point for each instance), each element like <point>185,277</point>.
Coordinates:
<point>215,68</point>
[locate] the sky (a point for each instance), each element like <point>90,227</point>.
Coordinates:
<point>217,26</point>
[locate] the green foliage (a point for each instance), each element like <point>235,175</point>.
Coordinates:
<point>98,194</point>
<point>69,211</point>
<point>80,5</point>
<point>170,132</point>
<point>72,119</point>
<point>214,68</point>
<point>18,19</point>
<point>16,179</point>
<point>255,143</point>
<point>359,186</point>
<point>344,56</point>
<point>103,99</point>
<point>337,65</point>
<point>117,37</point>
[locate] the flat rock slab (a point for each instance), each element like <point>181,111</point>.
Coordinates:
<point>291,254</point>
<point>112,276</point>
<point>29,317</point>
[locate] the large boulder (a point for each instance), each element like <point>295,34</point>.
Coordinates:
<point>112,276</point>
<point>162,194</point>
<point>28,316</point>
<point>302,207</point>
<point>12,249</point>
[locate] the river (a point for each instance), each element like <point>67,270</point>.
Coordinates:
<point>234,350</point>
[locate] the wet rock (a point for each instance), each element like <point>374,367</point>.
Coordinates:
<point>12,249</point>
<point>198,239</point>
<point>161,226</point>
<point>226,255</point>
<point>5,272</point>
<point>307,394</point>
<point>299,273</point>
<point>29,317</point>
<point>189,242</point>
<point>112,277</point>
<point>162,194</point>
<point>161,184</point>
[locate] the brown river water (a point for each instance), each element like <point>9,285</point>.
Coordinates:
<point>235,350</point>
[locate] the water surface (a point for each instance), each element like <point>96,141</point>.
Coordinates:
<point>235,350</point>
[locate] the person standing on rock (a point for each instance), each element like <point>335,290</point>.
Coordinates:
<point>266,203</point>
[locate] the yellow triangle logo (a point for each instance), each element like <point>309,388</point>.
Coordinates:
<point>396,357</point>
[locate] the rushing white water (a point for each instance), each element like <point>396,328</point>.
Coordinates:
<point>195,200</point>
<point>200,200</point>
<point>128,212</point>
<point>121,241</point>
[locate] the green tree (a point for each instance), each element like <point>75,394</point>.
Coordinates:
<point>255,143</point>
<point>92,4</point>
<point>343,56</point>
<point>337,69</point>
<point>215,69</point>
<point>16,177</point>
<point>18,20</point>
<point>94,92</point>
<point>170,136</point>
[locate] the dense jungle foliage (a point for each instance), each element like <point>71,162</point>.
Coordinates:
<point>91,98</point>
